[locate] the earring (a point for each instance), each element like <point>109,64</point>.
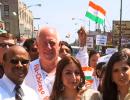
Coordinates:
<point>62,88</point>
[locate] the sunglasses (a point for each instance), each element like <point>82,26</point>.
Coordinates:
<point>16,61</point>
<point>5,45</point>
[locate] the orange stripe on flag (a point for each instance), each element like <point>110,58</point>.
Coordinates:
<point>87,68</point>
<point>97,7</point>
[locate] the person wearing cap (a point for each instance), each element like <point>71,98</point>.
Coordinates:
<point>6,40</point>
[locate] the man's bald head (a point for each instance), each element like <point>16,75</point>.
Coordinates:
<point>13,50</point>
<point>45,30</point>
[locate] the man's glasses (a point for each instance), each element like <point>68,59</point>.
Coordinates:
<point>5,45</point>
<point>16,61</point>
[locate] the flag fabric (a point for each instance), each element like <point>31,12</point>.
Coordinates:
<point>96,13</point>
<point>88,72</point>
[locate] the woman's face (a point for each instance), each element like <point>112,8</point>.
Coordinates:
<point>64,50</point>
<point>93,60</point>
<point>121,73</point>
<point>71,76</point>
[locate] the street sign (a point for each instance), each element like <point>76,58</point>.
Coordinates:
<point>111,50</point>
<point>89,42</point>
<point>101,40</point>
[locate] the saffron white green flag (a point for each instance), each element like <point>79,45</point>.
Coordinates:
<point>96,13</point>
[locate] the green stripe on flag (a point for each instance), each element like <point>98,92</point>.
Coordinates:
<point>88,77</point>
<point>94,18</point>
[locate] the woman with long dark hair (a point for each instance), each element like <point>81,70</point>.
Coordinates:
<point>117,75</point>
<point>70,81</point>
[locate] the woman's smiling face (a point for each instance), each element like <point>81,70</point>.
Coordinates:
<point>71,76</point>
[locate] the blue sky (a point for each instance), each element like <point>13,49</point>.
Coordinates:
<point>59,14</point>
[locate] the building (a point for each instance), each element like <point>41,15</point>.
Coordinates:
<point>17,17</point>
<point>125,32</point>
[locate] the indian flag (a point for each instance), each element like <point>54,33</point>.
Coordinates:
<point>88,71</point>
<point>96,13</point>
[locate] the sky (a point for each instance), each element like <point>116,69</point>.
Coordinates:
<point>59,14</point>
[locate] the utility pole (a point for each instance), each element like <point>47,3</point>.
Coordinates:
<point>120,31</point>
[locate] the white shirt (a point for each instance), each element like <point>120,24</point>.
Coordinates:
<point>7,91</point>
<point>95,83</point>
<point>82,56</point>
<point>47,78</point>
<point>91,94</point>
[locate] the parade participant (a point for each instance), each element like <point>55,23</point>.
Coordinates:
<point>12,86</point>
<point>6,40</point>
<point>116,83</point>
<point>42,71</point>
<point>82,55</point>
<point>65,49</point>
<point>31,46</point>
<point>100,72</point>
<point>93,58</point>
<point>69,82</point>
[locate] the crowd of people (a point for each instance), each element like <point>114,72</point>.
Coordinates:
<point>44,68</point>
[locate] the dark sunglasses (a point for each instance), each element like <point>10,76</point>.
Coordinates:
<point>4,45</point>
<point>16,61</point>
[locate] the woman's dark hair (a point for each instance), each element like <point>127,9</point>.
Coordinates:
<point>28,43</point>
<point>110,91</point>
<point>58,84</point>
<point>91,53</point>
<point>99,67</point>
<point>101,77</point>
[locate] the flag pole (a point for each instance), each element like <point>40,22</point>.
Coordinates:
<point>89,26</point>
<point>120,31</point>
<point>104,27</point>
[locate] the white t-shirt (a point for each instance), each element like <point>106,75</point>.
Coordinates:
<point>82,56</point>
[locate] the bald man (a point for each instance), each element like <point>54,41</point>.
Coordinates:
<point>15,63</point>
<point>42,71</point>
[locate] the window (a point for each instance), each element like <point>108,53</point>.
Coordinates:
<point>6,10</point>
<point>7,26</point>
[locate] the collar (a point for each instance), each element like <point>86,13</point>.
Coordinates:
<point>10,85</point>
<point>45,74</point>
<point>52,73</point>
